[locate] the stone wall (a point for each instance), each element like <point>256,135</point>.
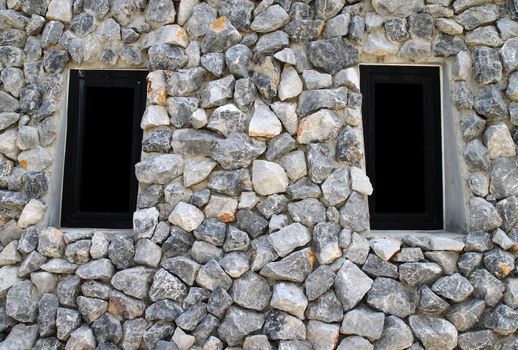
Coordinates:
<point>252,221</point>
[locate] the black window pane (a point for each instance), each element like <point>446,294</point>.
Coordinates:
<point>106,160</point>
<point>399,143</point>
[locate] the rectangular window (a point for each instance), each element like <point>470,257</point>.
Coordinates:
<point>103,144</point>
<point>402,127</point>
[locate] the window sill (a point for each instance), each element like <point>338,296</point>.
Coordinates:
<point>400,234</point>
<point>73,234</point>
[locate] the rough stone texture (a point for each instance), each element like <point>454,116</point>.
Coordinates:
<point>253,194</point>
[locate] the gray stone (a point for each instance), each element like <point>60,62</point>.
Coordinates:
<point>502,319</point>
<point>363,322</point>
<point>67,320</point>
<point>190,318</point>
<point>348,147</point>
<point>238,12</point>
<point>125,307</point>
<point>165,285</point>
<point>181,108</point>
<point>251,291</point>
<point>332,55</point>
<point>295,267</point>
<point>211,275</point>
<point>326,308</point>
<point>484,216</point>
<point>289,238</point>
<point>219,302</point>
<point>270,43</point>
<point>21,337</point>
<point>351,284</point>
<point>47,308</point>
<point>183,83</point>
<point>90,308</point>
<point>431,303</point>
<point>101,269</point>
<point>51,243</point>
<point>319,162</point>
<point>446,45</point>
<point>153,335</point>
<point>238,323</point>
<point>322,335</point>
<point>236,240</point>
<point>487,65</point>
<point>499,262</point>
<point>289,297</point>
<point>160,12</point>
<point>309,212</point>
<point>262,253</point>
<point>221,35</point>
<point>468,262</point>
<point>304,29</point>
<point>392,297</point>
<point>477,155</point>
<point>489,103</point>
<point>454,287</point>
<point>68,290</point>
<point>396,29</point>
<point>270,19</point>
<point>134,281</point>
<point>477,16</point>
<point>266,77</point>
<point>478,340</point>
<point>466,314</point>
<point>121,251</point>
<point>434,332</point>
<point>244,93</point>
<point>254,224</point>
<point>214,63</point>
<point>238,58</point>
<point>166,56</point>
<point>478,241</point>
<point>415,274</point>
<point>355,342</point>
<point>279,325</point>
<point>486,286</point>
<point>354,213</point>
<point>323,124</point>
<point>159,169</point>
<point>396,335</point>
<point>81,338</point>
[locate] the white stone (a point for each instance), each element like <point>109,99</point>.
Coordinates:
<point>295,164</point>
<point>99,247</point>
<point>157,87</point>
<point>287,113</point>
<point>9,255</point>
<point>503,240</point>
<point>289,297</point>
<point>60,10</point>
<point>376,44</point>
<point>8,278</point>
<point>499,142</point>
<point>185,10</point>
<point>288,238</point>
<point>448,26</point>
<point>444,243</point>
<point>36,159</point>
<point>373,21</point>
<point>349,78</point>
<point>45,282</point>
<point>32,213</point>
<point>187,216</point>
<point>8,143</point>
<point>196,170</point>
<point>286,55</point>
<point>170,34</point>
<point>315,80</point>
<point>154,116</point>
<point>385,248</point>
<point>222,208</point>
<point>183,340</point>
<point>461,66</point>
<point>248,200</point>
<point>264,122</point>
<point>268,178</point>
<point>319,126</point>
<point>290,85</point>
<point>360,181</point>
<point>199,118</point>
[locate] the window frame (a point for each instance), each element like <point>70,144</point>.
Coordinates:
<point>430,77</point>
<point>71,216</point>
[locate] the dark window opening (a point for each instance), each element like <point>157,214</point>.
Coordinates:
<point>103,144</point>
<point>402,128</point>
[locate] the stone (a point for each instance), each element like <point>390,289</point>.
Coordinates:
<point>286,55</point>
<point>270,19</point>
<point>134,281</point>
<point>101,269</point>
<point>351,284</point>
<point>290,298</point>
<point>266,75</point>
<point>499,142</point>
<point>454,287</point>
<point>290,85</point>
<point>502,320</point>
<point>487,66</point>
<point>197,169</point>
<point>90,308</point>
<point>187,216</point>
<point>396,334</point>
<point>486,286</point>
<point>433,332</point>
<point>332,55</point>
<point>327,248</point>
<point>254,224</point>
<point>477,340</point>
<point>326,308</point>
<point>180,109</point>
<point>363,322</point>
<point>244,93</point>
<point>489,103</point>
<point>166,56</point>
<point>415,274</point>
<point>251,291</point>
<point>264,122</point>
<point>270,43</point>
<point>288,238</point>
<point>222,208</point>
<point>183,340</point>
<point>221,35</point>
<point>444,243</point>
<point>20,337</point>
<point>279,325</point>
<point>477,16</point>
<point>499,262</point>
<point>214,63</point>
<point>81,338</point>
<point>51,243</point>
<point>10,255</point>
<point>268,178</point>
<point>484,216</point>
<point>468,262</point>
<point>159,169</point>
<point>466,314</point>
<point>212,275</point>
<point>121,251</point>
<point>511,292</point>
<point>67,320</point>
<point>307,211</point>
<point>216,93</point>
<point>145,222</point>
<point>239,12</point>
<point>237,59</point>
<point>508,54</point>
<point>355,342</point>
<point>487,36</point>
<point>375,266</point>
<point>165,285</point>
<point>392,297</point>
<point>238,323</point>
<point>183,83</point>
<point>294,267</point>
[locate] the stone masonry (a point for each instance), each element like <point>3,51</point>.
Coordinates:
<point>252,221</point>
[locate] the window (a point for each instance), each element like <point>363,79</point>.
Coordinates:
<point>103,144</point>
<point>402,128</point>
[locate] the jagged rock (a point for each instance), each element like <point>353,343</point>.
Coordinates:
<point>270,19</point>
<point>251,291</point>
<point>434,332</point>
<point>466,314</point>
<point>502,319</point>
<point>165,285</point>
<point>415,274</point>
<point>280,325</point>
<point>134,281</point>
<point>351,284</point>
<point>486,286</point>
<point>294,267</point>
<point>238,323</point>
<point>392,297</point>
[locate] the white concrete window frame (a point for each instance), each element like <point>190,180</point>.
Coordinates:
<point>454,170</point>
